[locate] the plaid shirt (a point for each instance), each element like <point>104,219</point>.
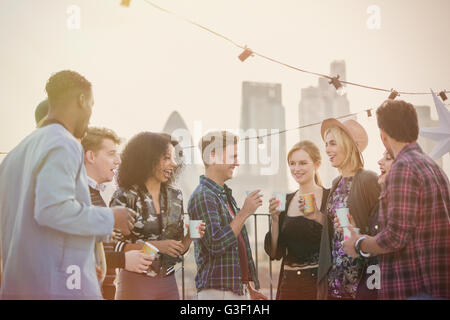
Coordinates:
<point>216,254</point>
<point>415,228</point>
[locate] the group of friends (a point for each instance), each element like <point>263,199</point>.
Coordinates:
<point>60,240</point>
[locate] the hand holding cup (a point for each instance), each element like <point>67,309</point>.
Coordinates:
<point>273,205</point>
<point>252,202</point>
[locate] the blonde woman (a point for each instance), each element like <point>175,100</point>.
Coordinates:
<point>356,189</point>
<point>295,235</point>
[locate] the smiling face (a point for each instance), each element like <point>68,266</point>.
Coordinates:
<point>101,165</point>
<point>228,162</point>
<point>334,151</point>
<point>167,165</point>
<point>302,167</point>
<point>385,164</point>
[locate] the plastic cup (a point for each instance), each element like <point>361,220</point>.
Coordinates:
<point>347,232</point>
<point>310,203</point>
<point>194,229</point>
<point>342,216</point>
<point>281,198</point>
<point>150,249</point>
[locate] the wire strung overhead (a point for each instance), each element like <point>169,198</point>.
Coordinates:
<point>248,53</point>
<point>259,137</point>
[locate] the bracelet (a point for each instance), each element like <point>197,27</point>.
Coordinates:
<point>358,247</point>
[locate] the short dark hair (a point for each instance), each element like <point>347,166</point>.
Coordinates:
<point>65,84</point>
<point>399,120</point>
<point>141,156</point>
<point>214,140</point>
<point>94,138</point>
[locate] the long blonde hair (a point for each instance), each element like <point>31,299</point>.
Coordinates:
<point>314,153</point>
<point>353,157</point>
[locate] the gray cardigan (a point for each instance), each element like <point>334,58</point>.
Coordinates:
<point>48,227</point>
<point>363,197</point>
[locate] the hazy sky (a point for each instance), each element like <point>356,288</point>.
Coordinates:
<point>144,63</point>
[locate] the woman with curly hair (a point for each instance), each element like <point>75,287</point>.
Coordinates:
<point>149,167</point>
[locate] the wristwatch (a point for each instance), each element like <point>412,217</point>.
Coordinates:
<point>358,249</point>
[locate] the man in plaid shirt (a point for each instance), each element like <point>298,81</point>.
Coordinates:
<point>225,266</point>
<point>414,242</point>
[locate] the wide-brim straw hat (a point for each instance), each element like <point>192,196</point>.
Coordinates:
<point>353,129</point>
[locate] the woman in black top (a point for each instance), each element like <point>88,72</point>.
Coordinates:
<point>295,235</point>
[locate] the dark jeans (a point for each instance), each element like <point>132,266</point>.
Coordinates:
<point>135,286</point>
<point>298,285</point>
<point>363,292</point>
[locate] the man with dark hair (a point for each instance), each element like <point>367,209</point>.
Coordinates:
<point>48,226</point>
<point>414,239</point>
<point>225,266</point>
<point>101,160</point>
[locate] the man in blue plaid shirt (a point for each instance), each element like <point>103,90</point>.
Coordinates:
<point>225,266</point>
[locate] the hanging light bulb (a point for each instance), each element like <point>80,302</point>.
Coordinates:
<point>340,89</point>
<point>261,143</point>
<point>245,54</point>
<point>125,3</point>
<point>443,95</point>
<point>394,94</point>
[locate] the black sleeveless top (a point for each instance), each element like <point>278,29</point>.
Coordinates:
<point>301,236</point>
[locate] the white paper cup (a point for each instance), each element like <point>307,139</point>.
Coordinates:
<point>194,229</point>
<point>342,216</point>
<point>347,232</point>
<point>281,197</point>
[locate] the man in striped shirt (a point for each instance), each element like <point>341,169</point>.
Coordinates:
<point>414,241</point>
<point>101,160</point>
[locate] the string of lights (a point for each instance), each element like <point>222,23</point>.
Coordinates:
<point>259,137</point>
<point>335,81</point>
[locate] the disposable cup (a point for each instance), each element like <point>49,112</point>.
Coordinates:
<point>194,229</point>
<point>281,198</point>
<point>150,249</point>
<point>347,232</point>
<point>342,216</point>
<point>310,203</point>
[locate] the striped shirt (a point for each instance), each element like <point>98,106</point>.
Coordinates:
<point>217,253</point>
<point>415,228</point>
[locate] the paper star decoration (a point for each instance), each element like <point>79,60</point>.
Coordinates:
<point>441,133</point>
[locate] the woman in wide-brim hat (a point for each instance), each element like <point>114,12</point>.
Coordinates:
<point>356,189</point>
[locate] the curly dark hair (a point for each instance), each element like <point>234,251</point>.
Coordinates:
<point>399,120</point>
<point>141,156</point>
<point>64,83</point>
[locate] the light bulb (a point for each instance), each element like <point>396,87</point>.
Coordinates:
<point>341,91</point>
